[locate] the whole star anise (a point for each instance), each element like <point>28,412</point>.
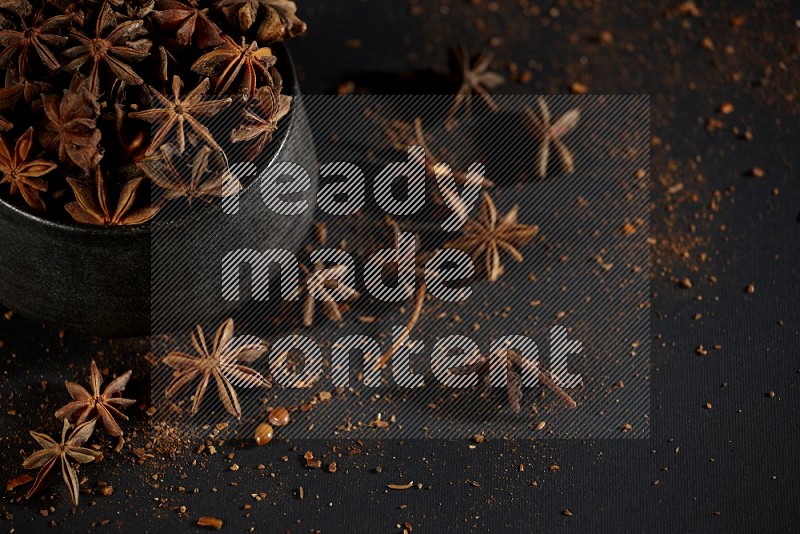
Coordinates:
<point>221,363</point>
<point>274,20</point>
<point>54,453</point>
<point>489,234</point>
<point>191,23</point>
<point>24,176</point>
<point>18,87</point>
<point>105,405</point>
<point>246,63</point>
<point>267,107</point>
<point>39,35</point>
<point>194,181</point>
<point>72,128</point>
<point>325,284</point>
<point>91,204</point>
<point>280,22</point>
<point>476,79</point>
<point>79,10</point>
<point>550,133</point>
<point>113,45</point>
<point>172,114</point>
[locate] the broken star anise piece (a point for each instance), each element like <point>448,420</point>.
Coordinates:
<point>91,203</point>
<point>476,79</point>
<point>261,117</point>
<point>550,133</point>
<point>246,63</point>
<point>24,176</point>
<point>71,129</point>
<point>221,363</point>
<point>40,35</point>
<point>489,234</point>
<point>191,23</point>
<point>114,45</point>
<point>325,284</point>
<point>172,114</point>
<point>53,453</point>
<point>201,179</point>
<point>105,405</point>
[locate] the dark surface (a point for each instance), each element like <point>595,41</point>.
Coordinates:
<point>731,468</point>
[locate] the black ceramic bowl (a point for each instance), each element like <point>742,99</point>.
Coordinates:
<point>123,281</point>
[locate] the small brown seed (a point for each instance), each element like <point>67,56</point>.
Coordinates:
<point>279,416</point>
<point>263,434</point>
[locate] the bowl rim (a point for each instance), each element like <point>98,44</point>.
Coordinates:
<point>289,75</point>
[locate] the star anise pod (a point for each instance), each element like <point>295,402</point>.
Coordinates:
<point>267,107</point>
<point>23,8</point>
<point>191,23</point>
<point>241,14</point>
<point>246,63</point>
<point>476,79</point>
<point>18,87</point>
<point>23,175</point>
<point>53,453</point>
<point>550,133</point>
<point>489,234</point>
<point>105,405</point>
<point>139,9</point>
<point>194,181</point>
<point>72,128</point>
<point>221,363</point>
<point>281,21</point>
<point>91,204</point>
<point>5,124</point>
<point>113,45</point>
<point>276,19</point>
<point>39,35</point>
<point>79,10</point>
<point>173,113</point>
<point>324,283</point>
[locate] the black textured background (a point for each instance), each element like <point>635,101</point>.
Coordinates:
<point>732,468</point>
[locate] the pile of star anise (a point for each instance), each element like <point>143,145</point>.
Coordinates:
<point>101,95</point>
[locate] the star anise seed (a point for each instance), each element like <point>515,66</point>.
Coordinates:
<point>105,405</point>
